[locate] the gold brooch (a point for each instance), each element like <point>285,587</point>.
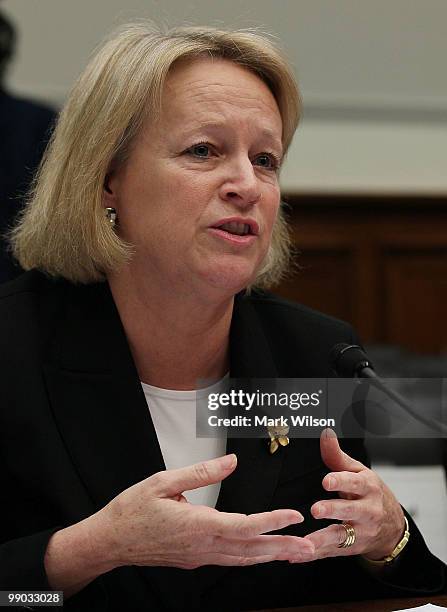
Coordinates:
<point>278,436</point>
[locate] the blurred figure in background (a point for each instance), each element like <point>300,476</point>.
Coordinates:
<point>24,131</point>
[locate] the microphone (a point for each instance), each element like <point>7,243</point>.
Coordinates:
<point>350,360</point>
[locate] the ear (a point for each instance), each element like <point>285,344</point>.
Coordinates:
<point>109,194</point>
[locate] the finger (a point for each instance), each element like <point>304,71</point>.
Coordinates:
<point>326,542</point>
<point>346,482</point>
<point>341,509</point>
<point>334,457</point>
<point>172,482</point>
<point>282,547</point>
<point>233,525</point>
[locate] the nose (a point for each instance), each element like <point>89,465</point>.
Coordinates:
<point>241,186</point>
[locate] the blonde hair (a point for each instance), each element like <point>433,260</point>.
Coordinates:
<point>63,230</point>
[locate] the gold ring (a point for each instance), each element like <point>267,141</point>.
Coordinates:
<point>350,536</point>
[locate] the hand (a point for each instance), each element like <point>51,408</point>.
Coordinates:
<point>367,504</point>
<point>151,523</point>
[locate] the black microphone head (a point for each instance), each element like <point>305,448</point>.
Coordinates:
<point>349,360</point>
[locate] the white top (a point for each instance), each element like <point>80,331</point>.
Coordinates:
<point>174,416</point>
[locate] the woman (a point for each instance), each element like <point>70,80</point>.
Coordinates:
<point>157,204</point>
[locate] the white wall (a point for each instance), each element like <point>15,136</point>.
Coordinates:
<point>373,76</point>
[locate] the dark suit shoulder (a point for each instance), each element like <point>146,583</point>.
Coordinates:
<point>18,108</point>
<point>270,305</point>
<point>299,337</point>
<point>29,307</point>
<point>31,282</point>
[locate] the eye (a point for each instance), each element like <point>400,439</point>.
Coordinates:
<point>268,160</point>
<point>201,149</point>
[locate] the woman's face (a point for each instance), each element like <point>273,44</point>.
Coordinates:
<point>199,193</point>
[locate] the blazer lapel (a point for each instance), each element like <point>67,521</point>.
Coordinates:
<point>96,397</point>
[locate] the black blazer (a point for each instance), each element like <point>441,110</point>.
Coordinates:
<point>75,431</point>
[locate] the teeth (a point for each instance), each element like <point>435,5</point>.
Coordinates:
<point>236,228</point>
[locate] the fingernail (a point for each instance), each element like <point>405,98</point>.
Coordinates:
<point>228,461</point>
<point>317,510</point>
<point>331,482</point>
<point>328,433</point>
<point>298,518</point>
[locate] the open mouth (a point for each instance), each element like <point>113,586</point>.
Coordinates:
<point>235,228</point>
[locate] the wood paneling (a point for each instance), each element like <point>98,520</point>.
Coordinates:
<point>379,263</point>
<point>415,299</point>
<point>324,281</point>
